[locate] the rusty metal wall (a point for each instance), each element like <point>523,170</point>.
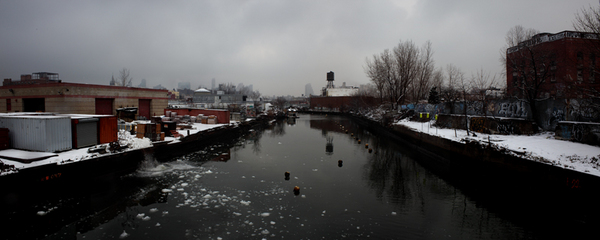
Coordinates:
<point>43,133</point>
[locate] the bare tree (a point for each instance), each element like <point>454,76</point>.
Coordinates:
<point>437,78</point>
<point>481,82</point>
<point>463,87</point>
<point>280,102</point>
<point>513,37</point>
<point>588,20</point>
<point>530,66</point>
<point>450,92</point>
<point>402,74</point>
<point>123,79</point>
<point>425,68</point>
<point>374,72</point>
<point>407,61</point>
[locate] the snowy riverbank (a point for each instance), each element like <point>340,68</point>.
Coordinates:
<point>541,147</point>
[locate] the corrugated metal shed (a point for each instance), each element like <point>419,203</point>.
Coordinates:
<point>107,126</point>
<point>84,131</point>
<point>46,133</point>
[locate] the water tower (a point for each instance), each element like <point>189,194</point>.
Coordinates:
<point>330,80</point>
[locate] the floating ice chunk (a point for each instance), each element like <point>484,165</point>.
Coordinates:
<point>237,213</point>
<point>166,190</point>
<point>208,171</point>
<point>314,170</point>
<point>265,214</point>
<point>265,232</point>
<point>41,213</point>
<point>279,143</point>
<point>207,196</point>
<point>153,210</point>
<point>157,225</point>
<point>124,235</point>
<point>394,213</point>
<point>245,202</point>
<point>165,212</point>
<point>140,215</point>
<point>303,196</point>
<point>272,223</point>
<point>243,176</point>
<point>180,189</point>
<point>146,218</point>
<point>184,184</point>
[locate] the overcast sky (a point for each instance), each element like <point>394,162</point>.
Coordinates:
<point>277,46</point>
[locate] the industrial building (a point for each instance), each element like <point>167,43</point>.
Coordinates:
<point>45,92</point>
<point>338,99</point>
<point>561,65</point>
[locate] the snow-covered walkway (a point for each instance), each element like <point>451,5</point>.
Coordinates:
<point>541,147</point>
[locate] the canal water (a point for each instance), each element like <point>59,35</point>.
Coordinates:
<point>239,190</point>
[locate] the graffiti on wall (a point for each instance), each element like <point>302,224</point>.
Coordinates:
<point>478,125</point>
<point>577,132</point>
<point>506,128</point>
<point>513,109</point>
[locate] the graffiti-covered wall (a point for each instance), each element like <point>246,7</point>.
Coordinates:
<point>579,132</point>
<point>551,111</point>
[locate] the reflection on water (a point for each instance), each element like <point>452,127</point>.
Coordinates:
<point>247,189</point>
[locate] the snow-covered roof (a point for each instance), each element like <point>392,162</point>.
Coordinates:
<point>202,90</point>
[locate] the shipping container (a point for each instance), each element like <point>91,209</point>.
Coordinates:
<point>107,126</point>
<point>107,129</point>
<point>45,133</point>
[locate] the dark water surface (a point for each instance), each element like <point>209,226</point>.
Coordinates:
<point>239,191</point>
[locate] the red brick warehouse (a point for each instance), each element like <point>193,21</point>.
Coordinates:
<point>565,65</point>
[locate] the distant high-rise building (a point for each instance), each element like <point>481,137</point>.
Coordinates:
<point>143,83</point>
<point>308,90</point>
<point>213,84</point>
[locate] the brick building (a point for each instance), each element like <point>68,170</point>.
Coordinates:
<point>564,62</point>
<point>44,92</point>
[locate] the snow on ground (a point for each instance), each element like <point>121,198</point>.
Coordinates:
<point>542,147</point>
<point>76,155</point>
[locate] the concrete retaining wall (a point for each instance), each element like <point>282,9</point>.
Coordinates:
<point>588,133</point>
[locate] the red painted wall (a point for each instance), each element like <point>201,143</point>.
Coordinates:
<point>340,103</point>
<point>222,115</point>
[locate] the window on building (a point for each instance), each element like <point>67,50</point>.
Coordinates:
<point>8,105</point>
<point>592,77</point>
<point>553,71</point>
<point>579,66</point>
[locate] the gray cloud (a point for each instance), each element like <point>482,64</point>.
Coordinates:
<point>278,46</point>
